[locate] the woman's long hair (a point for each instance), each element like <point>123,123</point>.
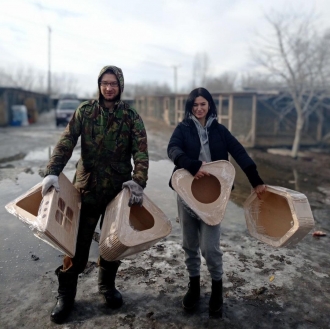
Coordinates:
<point>191,99</point>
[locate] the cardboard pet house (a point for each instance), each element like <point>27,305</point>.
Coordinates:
<point>53,218</point>
<point>281,218</point>
<point>209,195</point>
<point>129,230</point>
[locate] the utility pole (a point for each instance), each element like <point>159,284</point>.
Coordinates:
<point>175,67</point>
<point>49,69</point>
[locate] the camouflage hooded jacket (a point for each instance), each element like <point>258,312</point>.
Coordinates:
<point>109,139</point>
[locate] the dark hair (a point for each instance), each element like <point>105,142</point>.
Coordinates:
<point>191,99</point>
<point>99,83</point>
<point>107,71</point>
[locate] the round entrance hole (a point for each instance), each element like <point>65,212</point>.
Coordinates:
<point>140,218</point>
<point>206,189</point>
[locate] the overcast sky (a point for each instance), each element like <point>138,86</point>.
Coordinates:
<point>146,38</point>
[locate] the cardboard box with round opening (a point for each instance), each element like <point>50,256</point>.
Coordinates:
<point>53,218</point>
<point>209,195</point>
<point>281,218</point>
<point>130,230</point>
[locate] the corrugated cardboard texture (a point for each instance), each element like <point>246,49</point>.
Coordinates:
<point>129,230</point>
<point>209,195</point>
<point>281,218</point>
<point>54,218</point>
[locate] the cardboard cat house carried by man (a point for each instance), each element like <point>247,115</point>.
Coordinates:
<point>129,230</point>
<point>54,219</point>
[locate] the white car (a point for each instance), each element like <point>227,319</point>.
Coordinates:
<point>64,110</point>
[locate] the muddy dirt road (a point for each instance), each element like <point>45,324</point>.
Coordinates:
<point>153,282</point>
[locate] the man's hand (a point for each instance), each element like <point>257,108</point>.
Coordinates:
<point>260,189</point>
<point>136,193</point>
<point>48,182</point>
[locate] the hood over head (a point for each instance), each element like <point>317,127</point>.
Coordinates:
<point>117,72</point>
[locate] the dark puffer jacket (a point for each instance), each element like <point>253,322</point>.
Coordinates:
<point>184,148</point>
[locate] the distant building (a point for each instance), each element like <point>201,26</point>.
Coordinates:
<point>56,98</point>
<point>249,115</point>
<point>35,103</point>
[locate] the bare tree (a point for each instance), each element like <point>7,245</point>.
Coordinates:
<point>19,77</point>
<point>224,82</point>
<point>258,82</point>
<point>30,78</point>
<point>297,57</point>
<point>64,83</point>
<point>6,80</point>
<point>146,89</point>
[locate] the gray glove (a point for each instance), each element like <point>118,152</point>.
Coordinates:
<point>48,182</point>
<point>136,192</point>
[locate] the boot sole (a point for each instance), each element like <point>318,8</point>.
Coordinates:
<point>60,317</point>
<point>60,320</point>
<point>189,309</point>
<point>112,305</point>
<point>216,314</point>
<point>57,321</point>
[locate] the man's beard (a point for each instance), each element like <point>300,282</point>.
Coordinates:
<point>111,98</point>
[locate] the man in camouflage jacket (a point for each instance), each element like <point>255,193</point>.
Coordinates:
<point>111,134</point>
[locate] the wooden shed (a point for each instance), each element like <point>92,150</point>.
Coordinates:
<point>250,116</point>
<point>35,103</point>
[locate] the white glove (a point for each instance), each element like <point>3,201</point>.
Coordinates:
<point>136,192</point>
<point>48,182</point>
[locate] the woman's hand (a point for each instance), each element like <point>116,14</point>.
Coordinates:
<point>201,173</point>
<point>260,189</point>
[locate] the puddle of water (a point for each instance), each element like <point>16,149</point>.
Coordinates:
<point>19,244</point>
<point>36,155</point>
<point>45,153</point>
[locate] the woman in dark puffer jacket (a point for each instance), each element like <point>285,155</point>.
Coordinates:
<point>199,139</point>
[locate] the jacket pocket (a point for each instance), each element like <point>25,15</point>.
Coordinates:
<point>83,176</point>
<point>118,173</point>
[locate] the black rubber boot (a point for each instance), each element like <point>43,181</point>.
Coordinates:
<point>191,298</point>
<point>216,299</point>
<point>66,294</point>
<point>106,282</point>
